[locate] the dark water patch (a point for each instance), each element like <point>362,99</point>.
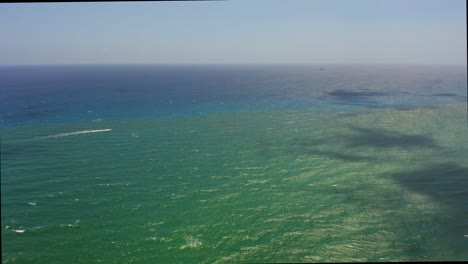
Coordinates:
<point>451,95</point>
<point>42,109</point>
<point>382,138</point>
<point>346,95</point>
<point>446,94</point>
<point>363,137</point>
<point>28,115</point>
<point>11,151</point>
<point>363,97</point>
<point>446,183</point>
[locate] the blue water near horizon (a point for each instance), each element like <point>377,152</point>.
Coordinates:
<point>68,93</point>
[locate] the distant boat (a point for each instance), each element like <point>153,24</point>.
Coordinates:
<point>322,69</point>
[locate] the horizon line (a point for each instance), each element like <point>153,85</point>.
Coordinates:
<point>226,64</point>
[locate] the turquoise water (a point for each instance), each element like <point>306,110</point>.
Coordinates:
<point>239,185</point>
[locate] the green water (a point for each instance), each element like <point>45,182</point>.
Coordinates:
<point>253,186</point>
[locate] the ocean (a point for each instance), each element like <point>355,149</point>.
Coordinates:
<point>233,163</point>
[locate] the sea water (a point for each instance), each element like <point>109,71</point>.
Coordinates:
<point>233,163</point>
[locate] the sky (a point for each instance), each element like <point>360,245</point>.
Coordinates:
<point>236,31</point>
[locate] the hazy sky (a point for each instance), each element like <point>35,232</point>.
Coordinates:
<point>236,31</point>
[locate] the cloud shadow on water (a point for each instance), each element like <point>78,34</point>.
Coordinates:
<point>443,182</point>
<point>447,184</point>
<point>446,94</point>
<point>360,97</point>
<point>352,143</point>
<point>381,138</point>
<point>348,95</point>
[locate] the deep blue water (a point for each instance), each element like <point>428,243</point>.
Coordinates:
<point>65,93</point>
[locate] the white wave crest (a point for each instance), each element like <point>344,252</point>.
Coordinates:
<point>192,243</point>
<point>75,133</point>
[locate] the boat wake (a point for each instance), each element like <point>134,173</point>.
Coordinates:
<point>75,133</point>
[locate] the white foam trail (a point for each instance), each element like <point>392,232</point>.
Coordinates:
<point>75,133</point>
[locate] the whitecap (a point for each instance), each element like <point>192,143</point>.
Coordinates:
<point>19,231</point>
<point>192,243</point>
<point>32,203</point>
